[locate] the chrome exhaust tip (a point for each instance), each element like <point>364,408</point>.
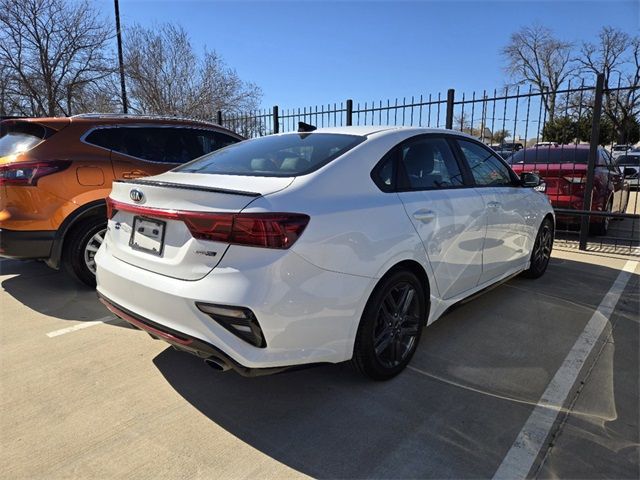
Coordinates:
<point>217,364</point>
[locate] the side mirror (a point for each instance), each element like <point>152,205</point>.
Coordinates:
<point>530,180</point>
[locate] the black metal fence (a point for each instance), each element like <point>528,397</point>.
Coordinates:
<point>567,136</point>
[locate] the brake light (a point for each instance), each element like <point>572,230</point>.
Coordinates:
<point>28,173</point>
<point>268,230</point>
<point>575,185</point>
<point>579,179</point>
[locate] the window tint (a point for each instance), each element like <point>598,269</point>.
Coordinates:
<point>485,167</point>
<point>170,145</point>
<point>550,154</point>
<point>629,160</point>
<point>206,141</point>
<point>428,163</point>
<point>275,156</point>
<point>104,137</point>
<point>384,173</point>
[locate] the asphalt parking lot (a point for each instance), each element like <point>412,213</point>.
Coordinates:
<point>85,396</point>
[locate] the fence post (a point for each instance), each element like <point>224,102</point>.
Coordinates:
<point>276,121</point>
<point>449,121</point>
<point>219,117</point>
<point>349,112</point>
<point>593,155</point>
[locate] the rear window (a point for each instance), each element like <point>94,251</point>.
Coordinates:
<point>631,160</point>
<point>275,156</point>
<point>19,137</point>
<point>568,154</point>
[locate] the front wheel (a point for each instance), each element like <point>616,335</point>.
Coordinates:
<point>541,252</point>
<point>391,326</point>
<point>81,247</point>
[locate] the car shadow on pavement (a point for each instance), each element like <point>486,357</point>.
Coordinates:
<point>453,414</point>
<point>602,437</point>
<point>51,292</point>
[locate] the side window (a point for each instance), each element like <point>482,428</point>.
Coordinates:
<point>384,173</point>
<point>142,142</point>
<point>104,137</point>
<point>486,168</point>
<point>170,144</point>
<point>428,163</point>
<point>207,140</point>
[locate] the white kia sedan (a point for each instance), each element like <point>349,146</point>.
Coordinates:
<point>318,247</point>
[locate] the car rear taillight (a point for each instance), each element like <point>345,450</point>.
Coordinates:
<point>28,173</point>
<point>268,230</point>
<point>578,179</point>
<point>575,185</point>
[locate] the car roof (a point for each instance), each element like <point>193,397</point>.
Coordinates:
<point>91,119</point>
<point>382,130</point>
<point>562,146</point>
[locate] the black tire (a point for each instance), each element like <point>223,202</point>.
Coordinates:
<point>75,246</point>
<point>602,227</point>
<point>391,326</point>
<point>541,252</point>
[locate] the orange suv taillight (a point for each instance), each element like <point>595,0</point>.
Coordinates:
<point>28,173</point>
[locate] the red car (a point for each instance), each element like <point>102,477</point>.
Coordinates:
<point>563,169</point>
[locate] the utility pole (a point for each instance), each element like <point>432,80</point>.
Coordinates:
<point>120,60</point>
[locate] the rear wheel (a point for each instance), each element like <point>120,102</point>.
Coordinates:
<point>541,252</point>
<point>81,247</point>
<point>602,227</point>
<point>391,326</point>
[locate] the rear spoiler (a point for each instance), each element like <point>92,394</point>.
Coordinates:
<point>157,183</point>
<point>48,126</point>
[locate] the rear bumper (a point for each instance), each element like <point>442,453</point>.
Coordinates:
<point>186,343</point>
<point>571,202</point>
<point>307,315</point>
<point>26,244</point>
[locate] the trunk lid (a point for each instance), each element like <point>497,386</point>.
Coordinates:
<point>157,211</point>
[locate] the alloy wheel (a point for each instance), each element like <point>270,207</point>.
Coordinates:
<point>397,325</point>
<point>542,251</point>
<point>91,248</point>
<point>606,219</point>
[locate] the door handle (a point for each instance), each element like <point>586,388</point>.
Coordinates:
<point>494,205</point>
<point>424,215</point>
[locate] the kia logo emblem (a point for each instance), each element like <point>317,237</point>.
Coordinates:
<point>136,195</point>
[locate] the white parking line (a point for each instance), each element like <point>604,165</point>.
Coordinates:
<point>524,451</point>
<point>80,326</point>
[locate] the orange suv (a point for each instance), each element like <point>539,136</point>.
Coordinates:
<point>55,174</point>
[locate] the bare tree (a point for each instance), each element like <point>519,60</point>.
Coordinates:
<point>617,55</point>
<point>534,55</point>
<point>499,136</point>
<point>53,50</point>
<point>166,76</point>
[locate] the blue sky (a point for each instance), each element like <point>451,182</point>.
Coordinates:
<point>318,52</point>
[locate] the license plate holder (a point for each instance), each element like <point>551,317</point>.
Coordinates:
<point>148,235</point>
